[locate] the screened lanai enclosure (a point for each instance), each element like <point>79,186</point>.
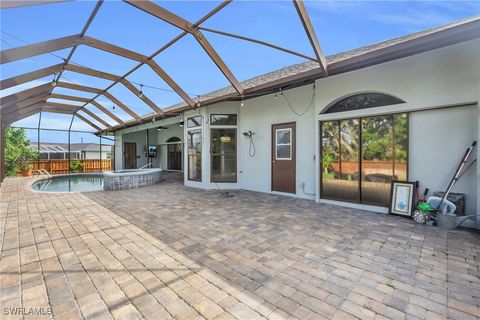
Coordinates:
<point>87,81</point>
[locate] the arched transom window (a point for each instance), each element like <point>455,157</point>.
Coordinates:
<point>363,101</point>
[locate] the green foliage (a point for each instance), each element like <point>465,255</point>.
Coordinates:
<point>327,162</point>
<point>17,150</point>
<point>76,166</point>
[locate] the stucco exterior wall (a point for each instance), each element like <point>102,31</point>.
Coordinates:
<point>258,115</point>
<point>438,140</point>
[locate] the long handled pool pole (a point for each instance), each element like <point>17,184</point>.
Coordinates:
<point>457,173</point>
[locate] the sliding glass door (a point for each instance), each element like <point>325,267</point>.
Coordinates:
<point>361,156</point>
<point>340,166</point>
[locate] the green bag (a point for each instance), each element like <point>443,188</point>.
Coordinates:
<point>425,207</point>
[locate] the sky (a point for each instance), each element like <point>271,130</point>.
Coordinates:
<point>339,25</point>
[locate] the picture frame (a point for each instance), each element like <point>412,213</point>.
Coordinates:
<point>402,198</point>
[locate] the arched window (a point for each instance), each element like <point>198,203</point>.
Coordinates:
<point>363,101</point>
<point>173,139</point>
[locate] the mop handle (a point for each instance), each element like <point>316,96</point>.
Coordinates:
<point>457,172</point>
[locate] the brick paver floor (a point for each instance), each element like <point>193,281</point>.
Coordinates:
<point>168,251</point>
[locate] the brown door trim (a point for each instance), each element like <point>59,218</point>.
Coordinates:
<point>293,126</point>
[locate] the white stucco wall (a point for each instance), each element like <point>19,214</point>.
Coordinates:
<point>258,115</point>
<point>438,140</point>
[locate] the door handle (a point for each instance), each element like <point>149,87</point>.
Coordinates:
<point>273,161</point>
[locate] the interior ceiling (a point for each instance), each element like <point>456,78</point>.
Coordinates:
<point>43,98</point>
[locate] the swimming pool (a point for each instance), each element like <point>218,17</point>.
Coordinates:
<point>70,183</point>
<point>110,180</point>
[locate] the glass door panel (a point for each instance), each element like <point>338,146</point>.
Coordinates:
<point>330,135</point>
<point>283,146</point>
<point>401,146</point>
<point>349,166</point>
<point>223,155</point>
<point>377,159</point>
<point>194,149</point>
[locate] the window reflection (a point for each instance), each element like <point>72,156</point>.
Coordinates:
<point>360,157</point>
<point>224,155</point>
<point>340,160</point>
<point>377,156</point>
<point>194,149</point>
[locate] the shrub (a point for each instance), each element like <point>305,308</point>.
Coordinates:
<point>76,166</point>
<point>17,150</point>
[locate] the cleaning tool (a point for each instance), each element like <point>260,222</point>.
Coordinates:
<point>454,179</point>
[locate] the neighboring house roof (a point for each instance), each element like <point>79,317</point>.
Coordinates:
<point>74,147</point>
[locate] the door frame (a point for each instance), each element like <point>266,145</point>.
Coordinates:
<point>294,154</point>
<point>124,153</point>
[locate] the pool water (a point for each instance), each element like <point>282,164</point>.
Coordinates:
<point>70,183</point>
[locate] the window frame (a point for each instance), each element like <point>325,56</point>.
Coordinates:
<point>283,144</point>
<point>223,114</point>
<point>194,127</point>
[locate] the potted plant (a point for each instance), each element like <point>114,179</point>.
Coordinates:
<point>25,169</point>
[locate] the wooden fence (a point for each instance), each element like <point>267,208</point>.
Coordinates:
<point>61,166</point>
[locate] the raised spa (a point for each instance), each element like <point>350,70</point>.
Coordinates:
<point>128,179</point>
<point>111,180</point>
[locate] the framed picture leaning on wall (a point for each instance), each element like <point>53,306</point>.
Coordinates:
<point>402,197</point>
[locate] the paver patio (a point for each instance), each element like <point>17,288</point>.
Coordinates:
<point>168,251</point>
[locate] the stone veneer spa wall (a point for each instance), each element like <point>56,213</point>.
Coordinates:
<point>128,179</point>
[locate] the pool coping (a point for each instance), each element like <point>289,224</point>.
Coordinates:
<point>29,183</point>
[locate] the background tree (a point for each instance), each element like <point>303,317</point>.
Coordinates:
<point>17,149</point>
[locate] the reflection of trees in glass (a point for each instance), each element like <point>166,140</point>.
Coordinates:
<point>401,137</point>
<point>330,146</point>
<point>384,152</point>
<point>349,139</point>
<point>377,137</point>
